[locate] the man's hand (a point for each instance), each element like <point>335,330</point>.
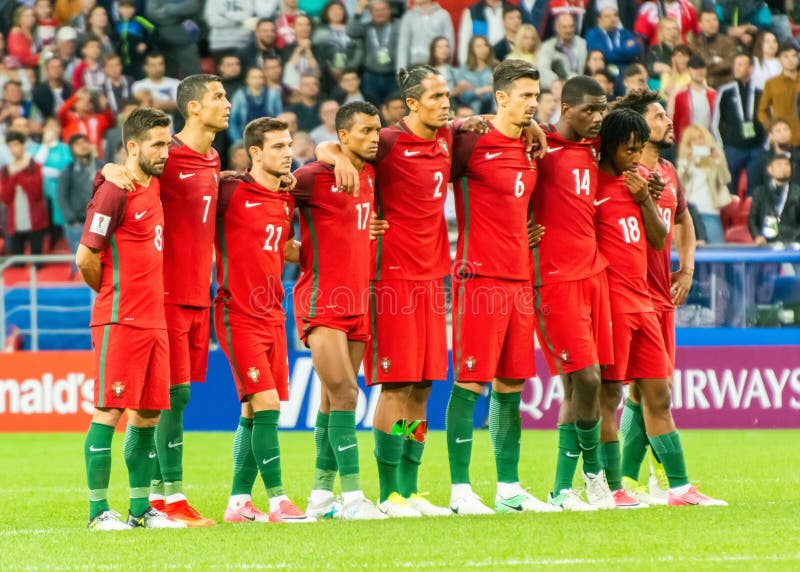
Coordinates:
<point>535,234</point>
<point>656,185</point>
<point>476,124</point>
<point>119,175</point>
<point>535,141</point>
<point>346,176</point>
<point>637,186</point>
<point>680,284</point>
<point>760,241</point>
<point>377,226</point>
<point>287,183</point>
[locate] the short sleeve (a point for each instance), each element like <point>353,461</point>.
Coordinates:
<point>104,214</point>
<point>304,189</point>
<point>385,143</point>
<point>463,146</point>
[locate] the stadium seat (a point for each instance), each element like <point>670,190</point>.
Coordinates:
<point>738,235</point>
<point>741,189</point>
<point>727,214</point>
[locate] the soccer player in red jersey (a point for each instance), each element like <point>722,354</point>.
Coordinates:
<point>331,300</point>
<point>627,222</point>
<point>573,321</point>
<point>494,178</point>
<point>121,257</point>
<point>189,186</point>
<point>254,225</point>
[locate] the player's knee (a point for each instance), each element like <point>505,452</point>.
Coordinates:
<point>420,393</point>
<point>344,397</point>
<point>179,396</point>
<point>144,418</point>
<point>658,398</point>
<point>108,417</point>
<point>610,398</point>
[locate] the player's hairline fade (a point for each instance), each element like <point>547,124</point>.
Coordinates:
<point>511,70</point>
<point>617,128</point>
<point>346,113</point>
<point>255,130</point>
<point>637,100</point>
<point>575,88</point>
<point>141,121</point>
<point>191,89</point>
<point>410,80</point>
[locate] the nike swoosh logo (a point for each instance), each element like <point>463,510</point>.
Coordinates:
<point>172,445</point>
<point>250,518</point>
<point>573,455</point>
<point>490,156</point>
<point>459,440</point>
<point>346,448</point>
<point>411,153</point>
<point>511,506</point>
<point>554,149</point>
<point>249,205</point>
<point>138,216</point>
<point>94,449</point>
<point>186,175</point>
<point>601,201</point>
<point>151,455</point>
<point>267,461</point>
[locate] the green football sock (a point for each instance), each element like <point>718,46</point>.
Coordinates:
<point>569,450</point>
<point>97,454</point>
<point>609,454</point>
<point>326,467</point>
<point>409,466</point>
<point>505,428</point>
<point>169,437</point>
<point>388,452</point>
<point>266,450</point>
<point>589,440</point>
<point>634,439</point>
<point>245,469</point>
<point>458,423</point>
<point>670,451</point>
<point>140,455</point>
<point>344,444</point>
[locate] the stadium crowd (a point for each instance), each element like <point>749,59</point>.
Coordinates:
<point>72,70</point>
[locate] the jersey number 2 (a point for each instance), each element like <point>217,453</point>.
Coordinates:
<point>439,180</point>
<point>273,237</point>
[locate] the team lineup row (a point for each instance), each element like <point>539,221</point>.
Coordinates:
<point>569,238</point>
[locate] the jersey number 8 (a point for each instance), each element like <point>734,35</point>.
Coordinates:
<point>159,238</point>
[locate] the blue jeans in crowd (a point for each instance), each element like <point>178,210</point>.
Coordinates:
<point>743,159</point>
<point>713,224</point>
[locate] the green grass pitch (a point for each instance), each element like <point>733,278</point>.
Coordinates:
<point>43,514</point>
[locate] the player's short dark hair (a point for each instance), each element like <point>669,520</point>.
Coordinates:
<point>345,114</point>
<point>637,101</point>
<point>255,130</point>
<point>17,136</point>
<point>509,71</point>
<point>577,87</point>
<point>410,80</point>
<point>142,120</point>
<point>617,128</point>
<point>192,88</point>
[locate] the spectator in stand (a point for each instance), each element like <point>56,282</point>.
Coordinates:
<point>475,86</point>
<point>619,46</point>
<point>349,88</point>
<point>595,62</point>
<point>565,54</point>
<point>67,49</point>
<point>20,125</point>
<point>46,24</point>
<point>238,160</point>
<point>285,23</point>
<point>695,104</point>
<point>112,140</point>
<point>303,148</point>
<point>21,44</point>
<point>177,34</point>
<point>574,8</point>
<point>326,130</point>
<point>547,107</point>
<point>273,72</point>
<point>65,10</point>
<point>779,99</point>
<point>658,60</point>
<point>164,90</point>
<point>134,34</point>
<point>739,133</point>
<point>52,91</point>
<point>81,19</point>
<point>765,64</point>
<point>556,87</point>
<point>678,76</point>
<point>484,18</point>
<point>21,190</point>
<point>261,46</point>
<point>300,57</point>
<point>420,25</point>
<point>53,155</point>
<point>718,50</point>
<point>606,81</point>
<point>441,56</point>
<point>775,210</point>
<point>78,115</point>
<point>704,176</point>
<point>306,108</point>
<point>229,70</point>
<point>251,102</point>
<point>742,19</point>
<point>75,187</point>
<point>98,26</point>
<point>634,78</point>
<point>118,87</point>
<point>526,45</point>
<point>331,42</point>
<point>651,12</point>
<point>393,109</point>
<point>14,103</point>
<point>89,71</point>
<point>291,120</point>
<point>534,12</point>
<point>779,142</point>
<point>374,48</point>
<point>512,21</point>
<point>230,24</point>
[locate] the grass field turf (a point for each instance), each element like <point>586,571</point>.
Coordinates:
<point>43,514</point>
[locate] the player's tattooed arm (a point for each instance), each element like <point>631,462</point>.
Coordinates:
<point>343,169</point>
<point>377,226</point>
<point>654,228</point>
<point>118,175</point>
<point>88,262</point>
<point>686,244</point>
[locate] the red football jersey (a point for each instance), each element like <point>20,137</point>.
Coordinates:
<point>128,229</point>
<point>189,189</point>
<point>412,175</point>
<point>564,203</point>
<point>253,224</point>
<point>493,179</point>
<point>335,244</point>
<point>670,205</point>
<point>622,241</point>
